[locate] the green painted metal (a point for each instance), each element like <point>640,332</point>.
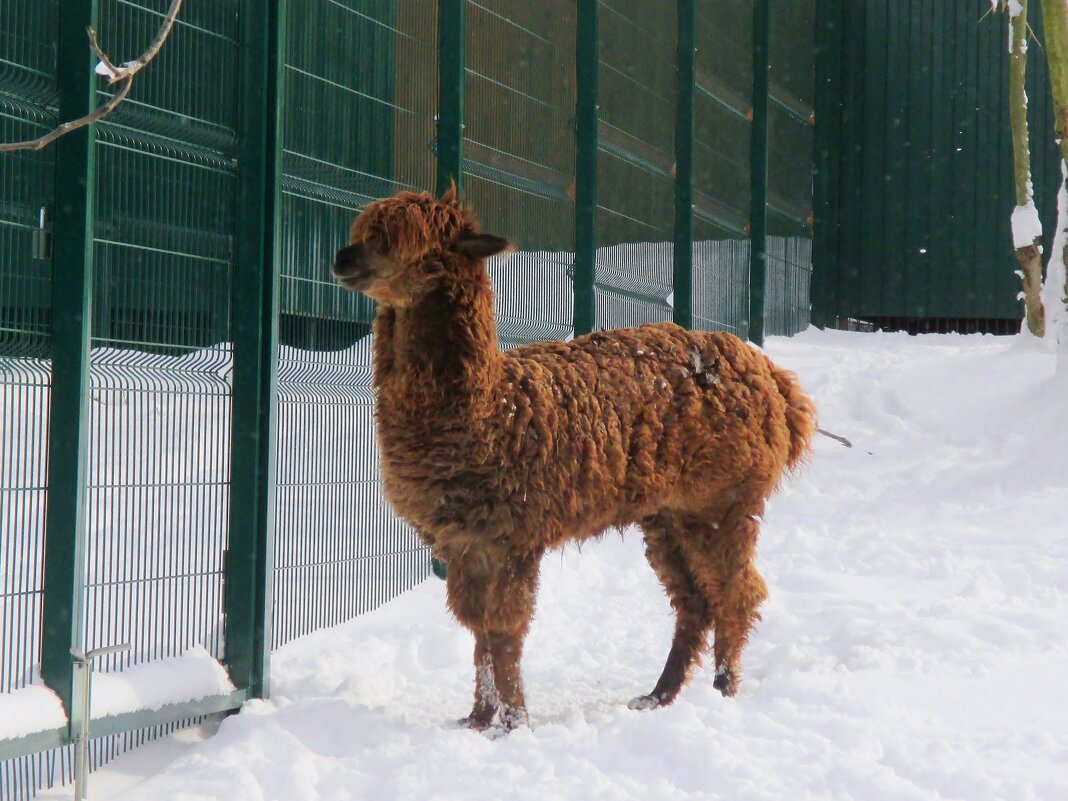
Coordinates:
<point>62,612</point>
<point>126,722</point>
<point>826,186</point>
<point>168,713</point>
<point>342,159</point>
<point>916,222</point>
<point>758,217</point>
<point>28,109</point>
<point>724,75</point>
<point>686,81</point>
<point>451,23</point>
<point>34,743</point>
<point>635,220</point>
<point>587,48</point>
<point>439,568</point>
<point>519,182</point>
<point>358,124</point>
<point>249,557</point>
<point>791,138</point>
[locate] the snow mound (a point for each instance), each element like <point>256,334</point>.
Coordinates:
<point>29,710</point>
<point>190,677</point>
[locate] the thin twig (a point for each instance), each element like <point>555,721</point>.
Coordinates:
<point>104,59</point>
<point>1034,37</point>
<point>843,440</point>
<point>1004,7</point>
<point>124,75</point>
<point>131,68</point>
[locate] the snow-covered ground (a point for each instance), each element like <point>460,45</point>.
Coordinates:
<point>915,645</point>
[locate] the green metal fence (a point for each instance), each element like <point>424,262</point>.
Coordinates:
<point>357,123</point>
<point>186,394</point>
<point>914,183</point>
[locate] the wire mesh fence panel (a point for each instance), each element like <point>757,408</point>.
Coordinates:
<point>360,92</point>
<point>519,157</point>
<point>159,411</point>
<point>635,162</point>
<point>790,168</point>
<point>722,134</point>
<point>27,110</point>
<point>786,299</point>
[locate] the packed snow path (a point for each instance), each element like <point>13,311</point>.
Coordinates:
<point>915,645</point>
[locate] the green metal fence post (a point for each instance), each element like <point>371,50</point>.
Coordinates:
<point>685,78</point>
<point>72,272</point>
<point>451,19</point>
<point>249,558</point>
<point>586,122</point>
<point>758,216</point>
<point>828,104</point>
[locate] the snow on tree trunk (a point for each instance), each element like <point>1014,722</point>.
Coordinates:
<point>1055,291</point>
<point>1026,226</point>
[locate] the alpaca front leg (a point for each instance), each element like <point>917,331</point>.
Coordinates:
<point>509,610</point>
<point>506,652</point>
<point>486,698</point>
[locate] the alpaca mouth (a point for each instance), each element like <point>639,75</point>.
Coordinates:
<point>354,283</point>
<point>350,270</point>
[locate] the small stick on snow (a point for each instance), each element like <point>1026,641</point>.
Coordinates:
<point>124,74</point>
<point>843,440</point>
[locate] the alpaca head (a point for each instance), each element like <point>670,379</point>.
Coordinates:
<point>403,246</point>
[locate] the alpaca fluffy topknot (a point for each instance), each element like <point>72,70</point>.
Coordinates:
<point>414,226</point>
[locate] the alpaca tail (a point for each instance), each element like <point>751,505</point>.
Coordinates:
<point>800,416</point>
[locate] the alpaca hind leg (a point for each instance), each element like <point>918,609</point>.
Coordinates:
<point>735,589</point>
<point>693,616</point>
<point>736,616</point>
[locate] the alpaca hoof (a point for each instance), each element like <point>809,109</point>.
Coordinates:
<point>513,718</point>
<point>474,723</point>
<point>644,702</point>
<point>725,682</point>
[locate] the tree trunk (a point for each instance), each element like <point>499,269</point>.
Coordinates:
<point>1055,23</point>
<point>1026,228</point>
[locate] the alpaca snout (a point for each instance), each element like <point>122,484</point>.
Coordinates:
<point>350,267</point>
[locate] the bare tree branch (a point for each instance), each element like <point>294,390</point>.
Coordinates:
<point>111,69</point>
<point>123,74</point>
<point>67,127</point>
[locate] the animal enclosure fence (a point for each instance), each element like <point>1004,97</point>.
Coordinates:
<point>185,394</point>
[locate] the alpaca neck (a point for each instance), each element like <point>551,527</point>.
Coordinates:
<point>441,351</point>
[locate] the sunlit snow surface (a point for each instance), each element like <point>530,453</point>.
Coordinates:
<point>915,645</point>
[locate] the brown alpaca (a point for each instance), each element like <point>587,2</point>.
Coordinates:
<point>495,457</point>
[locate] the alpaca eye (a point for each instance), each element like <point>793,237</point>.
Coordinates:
<point>373,242</point>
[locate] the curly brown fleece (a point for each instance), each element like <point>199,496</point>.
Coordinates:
<point>495,457</point>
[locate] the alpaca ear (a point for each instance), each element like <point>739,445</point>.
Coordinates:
<point>480,246</point>
<point>448,197</point>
